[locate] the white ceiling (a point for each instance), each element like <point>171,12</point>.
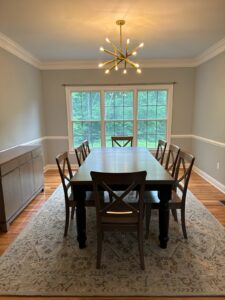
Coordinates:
<point>60,30</point>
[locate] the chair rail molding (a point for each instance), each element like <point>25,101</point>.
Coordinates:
<point>203,174</point>
<point>200,138</point>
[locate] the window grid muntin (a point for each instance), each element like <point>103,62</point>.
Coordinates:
<point>148,103</point>
<point>168,88</point>
<point>126,97</point>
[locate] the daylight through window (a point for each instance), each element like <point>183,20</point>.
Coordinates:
<point>97,113</point>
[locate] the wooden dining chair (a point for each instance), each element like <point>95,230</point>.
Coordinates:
<point>122,141</point>
<point>178,200</point>
<point>66,174</point>
<point>86,148</point>
<point>171,159</point>
<point>80,156</point>
<point>119,214</point>
<point>160,152</point>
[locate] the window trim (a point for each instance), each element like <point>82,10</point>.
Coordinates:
<point>101,89</point>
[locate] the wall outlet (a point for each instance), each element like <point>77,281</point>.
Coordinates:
<point>217,165</point>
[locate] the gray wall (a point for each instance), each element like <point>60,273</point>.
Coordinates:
<point>21,102</point>
<point>33,105</point>
<point>55,100</point>
<point>208,117</point>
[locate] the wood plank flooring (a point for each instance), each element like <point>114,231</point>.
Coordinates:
<point>205,192</point>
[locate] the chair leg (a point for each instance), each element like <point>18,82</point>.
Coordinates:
<point>141,248</point>
<point>99,248</point>
<point>174,213</point>
<point>72,212</point>
<point>67,220</point>
<point>183,223</point>
<point>147,219</point>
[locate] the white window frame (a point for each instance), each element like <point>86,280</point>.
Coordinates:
<point>102,89</point>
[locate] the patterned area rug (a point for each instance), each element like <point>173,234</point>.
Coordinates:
<point>42,262</point>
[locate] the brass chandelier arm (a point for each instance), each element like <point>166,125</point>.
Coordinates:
<point>116,48</point>
<point>112,67</point>
<point>108,62</point>
<point>131,63</point>
<point>135,49</point>
<point>113,54</point>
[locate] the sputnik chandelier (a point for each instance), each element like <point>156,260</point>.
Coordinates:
<point>121,57</point>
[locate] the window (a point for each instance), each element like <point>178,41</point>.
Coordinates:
<point>152,117</point>
<point>118,107</point>
<point>86,117</point>
<point>97,113</point>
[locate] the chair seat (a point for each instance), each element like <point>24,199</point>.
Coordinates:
<point>119,219</point>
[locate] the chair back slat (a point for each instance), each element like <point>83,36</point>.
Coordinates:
<point>86,148</point>
<point>80,156</point>
<point>122,141</point>
<point>65,172</point>
<point>183,172</point>
<point>160,151</point>
<point>172,157</point>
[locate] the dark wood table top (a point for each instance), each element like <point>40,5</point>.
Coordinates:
<point>122,160</point>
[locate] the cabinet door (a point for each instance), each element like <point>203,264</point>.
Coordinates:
<point>12,192</point>
<point>38,172</point>
<point>27,181</point>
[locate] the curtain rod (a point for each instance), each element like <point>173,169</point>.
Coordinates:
<point>119,84</point>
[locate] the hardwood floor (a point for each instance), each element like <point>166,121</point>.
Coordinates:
<point>205,192</point>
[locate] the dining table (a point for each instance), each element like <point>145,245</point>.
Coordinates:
<point>122,160</point>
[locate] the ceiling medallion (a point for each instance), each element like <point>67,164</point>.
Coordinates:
<point>121,57</point>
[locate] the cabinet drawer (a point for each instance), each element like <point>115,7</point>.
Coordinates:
<point>24,158</point>
<point>9,166</point>
<point>37,152</point>
<point>13,164</point>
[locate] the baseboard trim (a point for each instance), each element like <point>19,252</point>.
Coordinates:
<point>210,179</point>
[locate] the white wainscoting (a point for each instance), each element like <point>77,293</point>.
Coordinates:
<point>203,174</point>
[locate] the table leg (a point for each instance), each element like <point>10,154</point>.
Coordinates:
<point>81,217</point>
<point>165,195</point>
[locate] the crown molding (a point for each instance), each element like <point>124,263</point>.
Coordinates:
<point>69,64</point>
<point>14,48</point>
<point>93,64</point>
<point>211,52</point>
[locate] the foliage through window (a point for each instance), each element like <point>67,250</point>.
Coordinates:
<point>96,114</point>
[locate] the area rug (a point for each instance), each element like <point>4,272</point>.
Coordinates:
<point>42,262</point>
